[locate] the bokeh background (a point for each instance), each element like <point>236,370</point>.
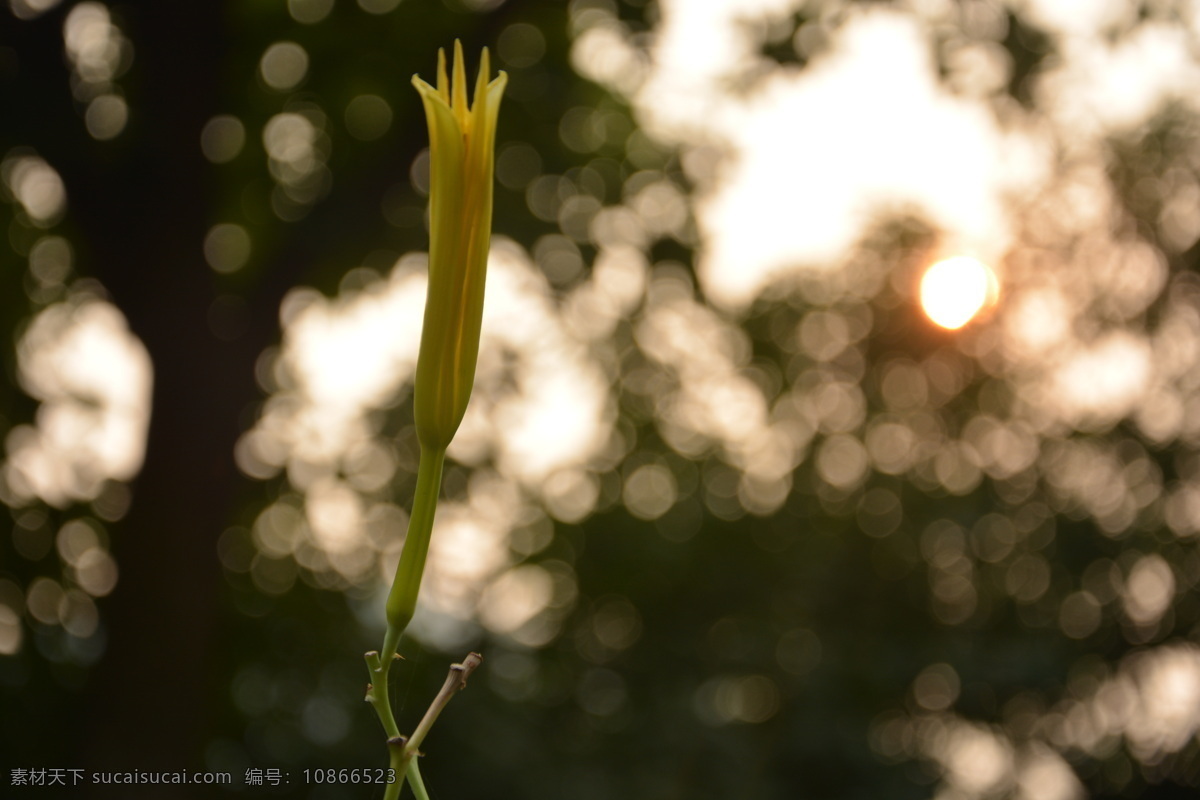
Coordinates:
<point>728,516</point>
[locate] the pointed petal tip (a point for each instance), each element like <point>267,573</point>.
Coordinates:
<point>443,82</point>
<point>458,83</point>
<point>481,80</point>
<point>495,89</point>
<point>426,90</point>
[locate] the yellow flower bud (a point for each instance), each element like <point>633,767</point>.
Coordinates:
<point>462,143</point>
<point>462,162</point>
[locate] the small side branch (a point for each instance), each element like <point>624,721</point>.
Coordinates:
<point>456,679</point>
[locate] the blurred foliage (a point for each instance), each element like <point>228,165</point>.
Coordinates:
<point>839,639</point>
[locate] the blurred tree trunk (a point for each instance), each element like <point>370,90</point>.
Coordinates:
<point>144,215</point>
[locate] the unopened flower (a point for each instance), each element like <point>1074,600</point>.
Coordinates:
<point>462,142</point>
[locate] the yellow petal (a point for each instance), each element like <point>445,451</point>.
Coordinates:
<point>459,99</point>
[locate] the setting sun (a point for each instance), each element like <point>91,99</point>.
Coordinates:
<point>955,289</point>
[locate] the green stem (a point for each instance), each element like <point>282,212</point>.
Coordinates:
<point>377,696</point>
<point>402,599</point>
<point>401,603</point>
<point>415,780</point>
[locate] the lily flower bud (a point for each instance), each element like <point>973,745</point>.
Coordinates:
<point>462,163</point>
<point>462,143</point>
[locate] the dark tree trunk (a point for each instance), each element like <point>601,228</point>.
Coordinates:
<point>144,215</point>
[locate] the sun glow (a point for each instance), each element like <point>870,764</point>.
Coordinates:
<point>954,290</point>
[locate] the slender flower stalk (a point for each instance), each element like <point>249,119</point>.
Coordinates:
<point>462,141</point>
